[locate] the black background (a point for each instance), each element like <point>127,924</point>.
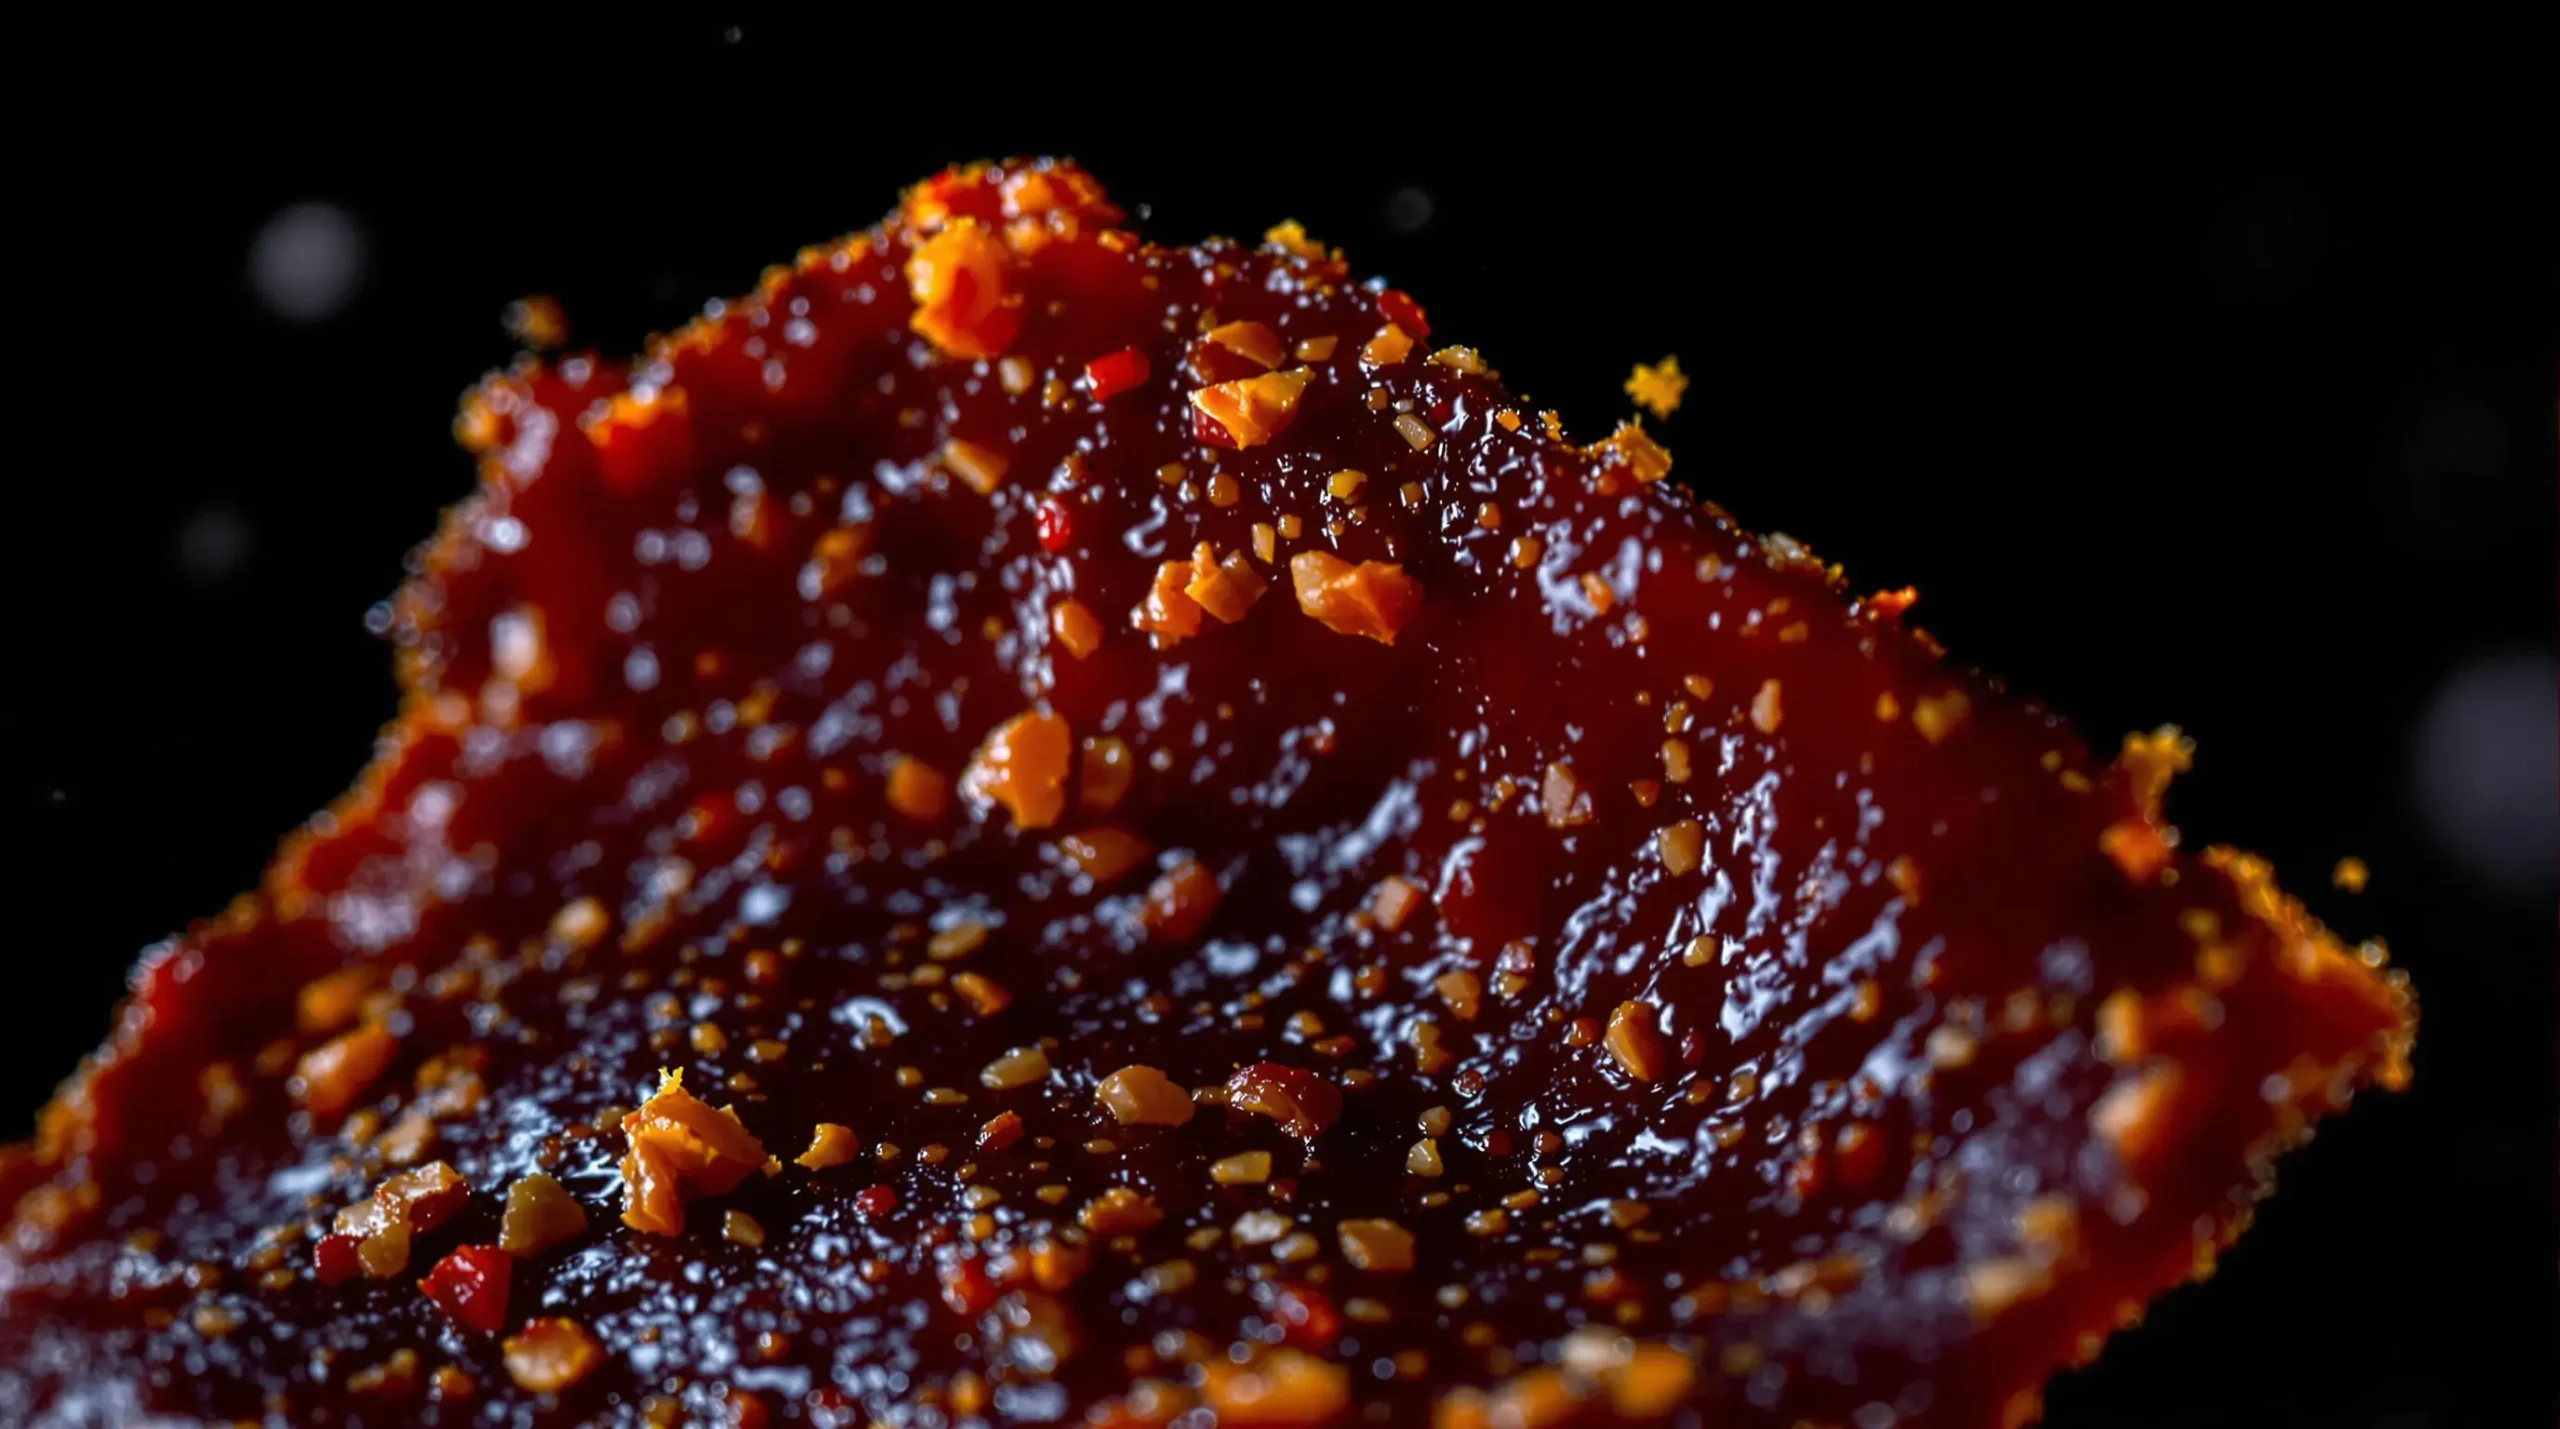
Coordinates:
<point>2191,375</point>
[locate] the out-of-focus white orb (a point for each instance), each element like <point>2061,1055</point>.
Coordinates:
<point>307,262</point>
<point>2486,771</point>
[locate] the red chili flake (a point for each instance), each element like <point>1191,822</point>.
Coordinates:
<point>875,1201</point>
<point>1805,1176</point>
<point>1860,1152</point>
<point>334,1259</point>
<point>1398,307</point>
<point>1206,431</point>
<point>1306,1317</point>
<point>470,1287</point>
<point>1001,1131</point>
<point>1111,375</point>
<point>965,1286</point>
<point>1057,525</point>
<point>1301,1101</point>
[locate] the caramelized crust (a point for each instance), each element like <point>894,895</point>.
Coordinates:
<point>1024,826</point>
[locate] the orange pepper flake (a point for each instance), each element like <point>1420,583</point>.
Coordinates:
<point>1391,346</point>
<point>1635,1041</point>
<point>1890,604</point>
<point>1595,589</point>
<point>1225,587</point>
<point>1252,410</point>
<point>539,1215</point>
<point>1888,709</point>
<point>957,941</point>
<point>983,468</point>
<point>1462,359</point>
<point>1143,1096</point>
<point>1374,598</point>
<point>1266,542</point>
<point>1103,854</point>
<point>1245,1168</point>
<point>580,924</point>
<point>1316,349</point>
<point>1416,432</point>
<point>333,1076</point>
<point>1683,847</point>
<point>1507,419</point>
<point>957,278</point>
<point>1525,551</point>
<point>2136,848</point>
<point>1640,454</point>
<point>1658,388</point>
<point>1395,900</point>
<point>1076,627</point>
<point>1169,614</point>
<point>1904,875</point>
<point>680,1148</point>
<point>394,1377</point>
<point>1345,484</point>
<point>1561,795</point>
<point>1652,1383</point>
<point>1423,1158</point>
<point>1290,236</point>
<point>331,1000</point>
<point>1023,766</point>
<point>1179,902</point>
<point>830,1144</point>
<point>986,996</point>
<point>1937,716</point>
<point>1379,1245</point>
<point>2134,1113</point>
<point>2350,875</point>
<point>405,1203</point>
<point>1463,991</point>
<point>2121,1038</point>
<point>551,1354</point>
<point>917,789</point>
<point>1766,711</point>
<point>1019,1067</point>
<point>1279,1387</point>
<point>2150,761</point>
<point>1249,340</point>
<point>1675,760</point>
<point>835,558</point>
<point>1119,1211</point>
<point>1301,1101</point>
<point>1105,774</point>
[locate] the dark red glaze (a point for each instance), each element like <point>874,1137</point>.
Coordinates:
<point>1859,1060</point>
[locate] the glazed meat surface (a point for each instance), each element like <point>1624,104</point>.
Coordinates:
<point>1025,826</point>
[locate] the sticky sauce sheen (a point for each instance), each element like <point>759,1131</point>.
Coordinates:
<point>1488,940</point>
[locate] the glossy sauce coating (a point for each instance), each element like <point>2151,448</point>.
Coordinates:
<point>1023,826</point>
